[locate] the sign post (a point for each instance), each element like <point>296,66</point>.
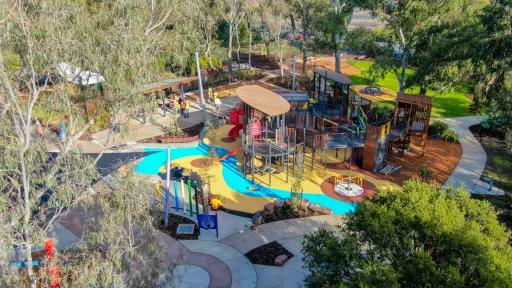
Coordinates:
<point>208,222</point>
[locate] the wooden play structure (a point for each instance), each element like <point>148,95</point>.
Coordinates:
<point>412,118</point>
<point>330,124</point>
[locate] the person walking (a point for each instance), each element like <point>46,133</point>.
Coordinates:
<point>186,108</point>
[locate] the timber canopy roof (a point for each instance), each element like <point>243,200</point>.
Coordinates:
<point>264,100</point>
<point>338,77</point>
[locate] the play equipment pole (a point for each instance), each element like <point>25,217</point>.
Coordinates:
<point>167,187</point>
<point>182,195</point>
<point>176,196</point>
<point>201,93</point>
<point>190,197</point>
<point>293,72</point>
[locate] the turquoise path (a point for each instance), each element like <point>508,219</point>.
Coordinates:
<point>152,163</point>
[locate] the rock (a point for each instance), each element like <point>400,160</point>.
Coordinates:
<point>280,260</point>
<point>305,203</point>
<point>279,204</point>
<point>257,219</point>
<point>253,227</point>
<point>269,208</point>
<point>320,209</point>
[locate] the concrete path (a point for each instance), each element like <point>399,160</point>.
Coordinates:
<point>246,240</point>
<point>288,233</point>
<point>242,271</point>
<point>473,160</point>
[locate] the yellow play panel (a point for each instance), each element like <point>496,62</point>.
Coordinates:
<point>314,175</point>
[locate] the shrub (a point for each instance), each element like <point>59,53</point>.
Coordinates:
<point>248,75</point>
<point>450,135</point>
<point>437,129</point>
<point>508,139</point>
<point>418,236</point>
<point>382,111</point>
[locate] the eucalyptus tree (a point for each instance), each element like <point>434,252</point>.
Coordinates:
<point>418,28</point>
<point>233,13</point>
<point>119,40</point>
<point>277,24</point>
<point>309,13</point>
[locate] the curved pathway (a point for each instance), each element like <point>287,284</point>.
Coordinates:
<point>289,233</point>
<point>473,159</point>
<point>242,271</point>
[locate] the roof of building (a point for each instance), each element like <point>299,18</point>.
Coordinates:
<point>263,100</point>
<point>363,18</point>
<point>165,84</point>
<point>338,77</point>
<point>421,100</point>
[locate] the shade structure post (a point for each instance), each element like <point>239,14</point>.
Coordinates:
<point>167,187</point>
<point>243,154</point>
<point>201,92</point>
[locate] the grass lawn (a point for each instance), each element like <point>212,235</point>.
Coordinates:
<point>499,167</point>
<point>446,104</point>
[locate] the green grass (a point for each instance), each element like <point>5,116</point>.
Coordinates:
<point>446,104</point>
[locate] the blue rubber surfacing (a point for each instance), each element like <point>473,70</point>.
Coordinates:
<point>151,164</point>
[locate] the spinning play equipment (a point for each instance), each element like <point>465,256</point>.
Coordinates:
<point>234,118</point>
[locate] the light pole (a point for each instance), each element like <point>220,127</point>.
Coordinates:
<point>201,93</point>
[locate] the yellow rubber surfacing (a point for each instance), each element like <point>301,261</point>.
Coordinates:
<point>234,200</point>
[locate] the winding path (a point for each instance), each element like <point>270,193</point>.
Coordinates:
<point>473,159</point>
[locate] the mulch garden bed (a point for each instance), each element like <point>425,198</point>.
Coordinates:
<point>266,254</point>
<point>174,221</point>
<point>189,134</point>
<point>499,167</point>
<point>441,158</point>
<point>290,211</point>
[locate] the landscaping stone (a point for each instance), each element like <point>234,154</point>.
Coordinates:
<point>320,209</point>
<point>279,204</point>
<point>257,218</point>
<point>269,208</point>
<point>280,260</point>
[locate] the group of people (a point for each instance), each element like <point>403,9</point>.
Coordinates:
<point>183,104</point>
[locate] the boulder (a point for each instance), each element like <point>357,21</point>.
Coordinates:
<point>257,219</point>
<point>269,208</point>
<point>279,204</point>
<point>320,209</point>
<point>280,260</point>
<point>304,203</point>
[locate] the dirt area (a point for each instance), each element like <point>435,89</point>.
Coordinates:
<point>189,134</point>
<point>499,167</point>
<point>266,254</point>
<point>327,61</point>
<point>328,189</point>
<point>440,157</point>
<point>174,221</point>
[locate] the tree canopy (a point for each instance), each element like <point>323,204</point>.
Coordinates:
<point>419,236</point>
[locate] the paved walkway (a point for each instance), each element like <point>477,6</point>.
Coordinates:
<point>288,233</point>
<point>473,159</point>
<point>242,271</point>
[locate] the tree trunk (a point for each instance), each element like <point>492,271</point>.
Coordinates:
<point>304,61</point>
<point>237,36</point>
<point>267,47</point>
<point>294,26</point>
<point>230,41</point>
<point>337,60</point>
<point>250,45</point>
<point>404,67</point>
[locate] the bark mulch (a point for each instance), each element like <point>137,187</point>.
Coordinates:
<point>266,254</point>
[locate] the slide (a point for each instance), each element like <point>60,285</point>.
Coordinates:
<point>234,119</point>
<point>230,153</point>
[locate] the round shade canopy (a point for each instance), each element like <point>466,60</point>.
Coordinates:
<point>262,99</point>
